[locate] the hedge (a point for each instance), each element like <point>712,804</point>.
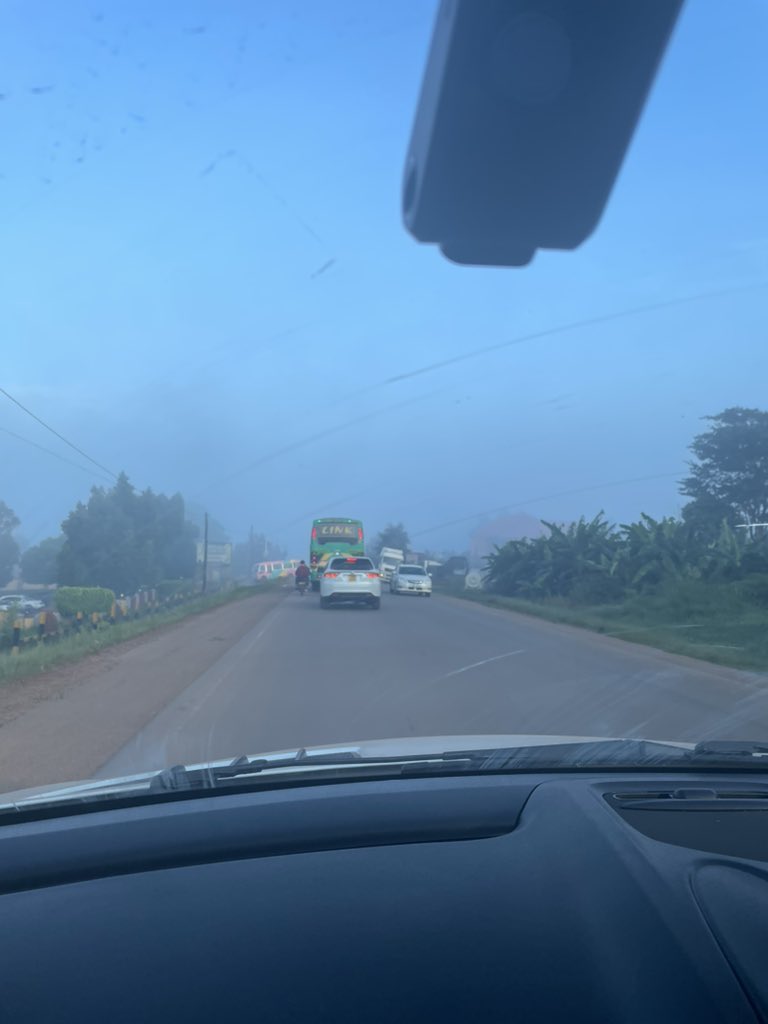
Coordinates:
<point>71,600</point>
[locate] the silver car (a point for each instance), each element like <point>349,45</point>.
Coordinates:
<point>411,579</point>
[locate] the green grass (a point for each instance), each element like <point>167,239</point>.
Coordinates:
<point>34,660</point>
<point>715,622</point>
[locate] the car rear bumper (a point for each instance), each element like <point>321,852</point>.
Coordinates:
<point>337,596</point>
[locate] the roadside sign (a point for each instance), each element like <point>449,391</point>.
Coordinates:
<point>218,554</point>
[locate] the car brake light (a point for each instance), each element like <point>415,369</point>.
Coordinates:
<point>314,533</point>
<point>330,575</point>
<point>373,575</point>
<point>360,535</point>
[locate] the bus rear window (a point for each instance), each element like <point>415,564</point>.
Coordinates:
<point>335,532</point>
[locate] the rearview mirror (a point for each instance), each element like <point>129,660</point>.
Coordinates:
<point>526,111</point>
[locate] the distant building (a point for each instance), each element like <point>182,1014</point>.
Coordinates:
<point>498,531</point>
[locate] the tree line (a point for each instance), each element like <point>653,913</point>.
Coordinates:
<point>721,535</point>
<point>124,540</point>
<point>119,538</point>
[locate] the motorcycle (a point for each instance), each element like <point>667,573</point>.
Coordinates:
<point>301,586</point>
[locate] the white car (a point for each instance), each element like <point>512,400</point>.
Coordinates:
<point>411,579</point>
<point>21,603</point>
<point>350,579</point>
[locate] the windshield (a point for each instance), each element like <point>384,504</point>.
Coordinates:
<point>339,564</point>
<point>225,352</point>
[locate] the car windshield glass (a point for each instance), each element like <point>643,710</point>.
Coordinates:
<point>241,327</point>
<point>351,563</point>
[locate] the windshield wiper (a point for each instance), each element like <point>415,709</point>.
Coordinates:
<point>178,777</point>
<point>564,756</point>
<point>730,750</point>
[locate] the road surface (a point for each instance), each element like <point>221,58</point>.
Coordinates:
<point>266,676</point>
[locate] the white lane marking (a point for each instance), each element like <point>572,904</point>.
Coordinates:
<point>478,664</point>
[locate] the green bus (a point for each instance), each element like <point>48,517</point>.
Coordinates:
<point>333,537</point>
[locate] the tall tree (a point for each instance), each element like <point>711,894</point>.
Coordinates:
<point>394,535</point>
<point>8,519</point>
<point>40,564</point>
<point>729,479</point>
<point>124,540</point>
<point>9,549</point>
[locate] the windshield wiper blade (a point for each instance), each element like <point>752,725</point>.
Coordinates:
<point>568,755</point>
<point>209,776</point>
<point>730,750</point>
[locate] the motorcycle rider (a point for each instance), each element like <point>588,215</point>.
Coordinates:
<point>302,574</point>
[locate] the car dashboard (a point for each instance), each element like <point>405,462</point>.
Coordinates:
<point>613,896</point>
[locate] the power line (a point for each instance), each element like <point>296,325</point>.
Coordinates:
<point>57,434</point>
<point>549,332</point>
<point>544,497</point>
<point>48,451</point>
<point>320,435</point>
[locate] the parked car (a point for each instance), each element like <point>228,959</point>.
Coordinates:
<point>21,603</point>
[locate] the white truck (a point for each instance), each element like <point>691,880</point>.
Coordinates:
<point>389,559</point>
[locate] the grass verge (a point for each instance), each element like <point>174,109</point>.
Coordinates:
<point>710,621</point>
<point>35,660</point>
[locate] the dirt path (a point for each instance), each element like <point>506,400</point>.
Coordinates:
<point>63,725</point>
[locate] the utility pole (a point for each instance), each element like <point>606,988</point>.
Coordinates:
<point>205,553</point>
<point>251,555</point>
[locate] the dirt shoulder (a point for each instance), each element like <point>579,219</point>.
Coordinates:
<point>62,725</point>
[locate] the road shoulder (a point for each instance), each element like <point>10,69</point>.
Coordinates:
<point>65,723</point>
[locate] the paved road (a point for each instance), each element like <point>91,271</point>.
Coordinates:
<point>304,676</point>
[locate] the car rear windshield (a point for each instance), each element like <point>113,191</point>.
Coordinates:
<point>338,564</point>
<point>412,570</point>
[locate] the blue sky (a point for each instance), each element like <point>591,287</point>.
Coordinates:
<point>174,176</point>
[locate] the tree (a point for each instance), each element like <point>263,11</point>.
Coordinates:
<point>574,561</point>
<point>9,549</point>
<point>8,519</point>
<point>40,564</point>
<point>729,480</point>
<point>124,540</point>
<point>654,550</point>
<point>394,535</point>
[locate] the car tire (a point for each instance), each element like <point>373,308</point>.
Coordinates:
<point>376,603</point>
<point>427,594</point>
<point>325,602</point>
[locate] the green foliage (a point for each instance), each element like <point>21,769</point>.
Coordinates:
<point>591,562</point>
<point>125,540</point>
<point>71,600</point>
<point>9,557</point>
<point>8,519</point>
<point>40,564</point>
<point>171,590</point>
<point>394,535</point>
<point>729,479</point>
<point>579,556</point>
<point>9,549</point>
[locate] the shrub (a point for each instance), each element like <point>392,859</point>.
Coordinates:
<point>168,590</point>
<point>71,600</point>
<point>754,589</point>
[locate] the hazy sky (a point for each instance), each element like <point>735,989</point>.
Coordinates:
<point>205,280</point>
